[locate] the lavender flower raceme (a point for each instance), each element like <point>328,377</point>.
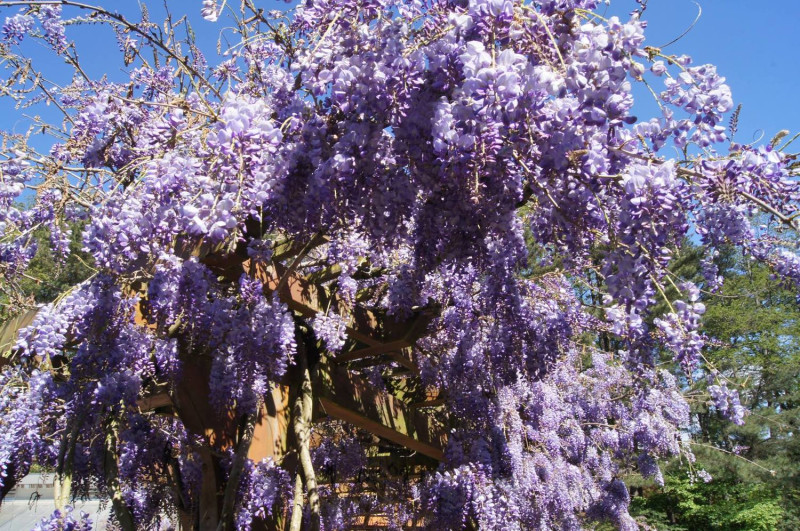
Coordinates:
<point>445,212</point>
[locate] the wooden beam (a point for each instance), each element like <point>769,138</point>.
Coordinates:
<point>209,492</point>
<point>288,248</point>
<point>349,397</point>
<point>342,413</point>
<point>429,403</point>
<point>149,403</point>
<point>406,365</point>
<point>271,432</point>
<point>378,348</point>
<point>363,325</point>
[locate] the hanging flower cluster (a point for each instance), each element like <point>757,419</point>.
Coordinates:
<point>478,159</point>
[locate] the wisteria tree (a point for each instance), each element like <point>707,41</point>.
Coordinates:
<point>379,263</point>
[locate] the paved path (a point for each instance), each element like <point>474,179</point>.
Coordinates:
<point>20,515</point>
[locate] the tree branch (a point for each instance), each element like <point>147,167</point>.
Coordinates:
<point>297,504</point>
<point>193,73</point>
<point>66,457</point>
<point>121,509</point>
<point>302,427</point>
<point>229,501</point>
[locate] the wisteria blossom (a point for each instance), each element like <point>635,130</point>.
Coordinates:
<point>465,180</point>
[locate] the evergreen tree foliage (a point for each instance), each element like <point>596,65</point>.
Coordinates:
<point>753,322</point>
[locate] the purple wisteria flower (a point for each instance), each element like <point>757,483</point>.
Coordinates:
<point>462,186</point>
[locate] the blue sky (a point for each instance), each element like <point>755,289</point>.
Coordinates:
<point>754,45</point>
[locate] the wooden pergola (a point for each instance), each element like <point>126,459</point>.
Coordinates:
<point>398,416</point>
